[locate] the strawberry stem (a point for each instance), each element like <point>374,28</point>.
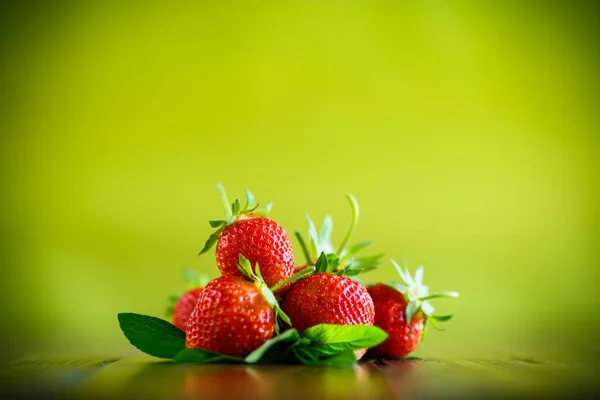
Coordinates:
<point>304,248</point>
<point>224,199</point>
<point>299,275</point>
<point>353,222</point>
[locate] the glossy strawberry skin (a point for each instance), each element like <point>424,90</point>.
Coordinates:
<point>390,306</point>
<point>231,317</point>
<point>261,241</point>
<point>325,298</point>
<point>184,307</point>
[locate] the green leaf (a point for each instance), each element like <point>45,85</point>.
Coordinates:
<point>398,286</point>
<point>424,333</point>
<point>152,335</point>
<point>404,275</point>
<point>211,241</point>
<point>267,209</point>
<point>325,235</point>
<point>235,207</point>
<point>434,319</point>
<point>313,237</point>
<point>355,249</point>
<point>368,261</point>
<point>361,265</point>
<point>345,336</point>
<point>172,302</point>
<point>191,277</point>
<point>333,262</point>
<point>321,265</point>
<point>291,335</point>
<point>419,276</point>
<point>344,358</point>
<point>441,318</point>
<point>249,200</point>
<point>353,271</point>
<point>216,224</point>
<point>201,356</point>
<point>312,357</point>
<point>245,267</point>
<point>433,323</point>
<point>224,199</point>
<point>411,310</point>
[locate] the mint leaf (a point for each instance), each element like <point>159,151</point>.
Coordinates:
<point>152,335</point>
<point>201,356</point>
<point>345,358</point>
<point>341,337</point>
<point>314,357</point>
<point>291,335</point>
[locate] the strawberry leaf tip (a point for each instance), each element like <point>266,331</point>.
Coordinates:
<point>418,295</point>
<point>343,260</point>
<point>234,212</point>
<point>246,268</point>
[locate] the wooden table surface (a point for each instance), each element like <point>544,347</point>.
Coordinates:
<point>138,376</point>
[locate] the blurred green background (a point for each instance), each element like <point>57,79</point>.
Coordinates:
<point>468,131</point>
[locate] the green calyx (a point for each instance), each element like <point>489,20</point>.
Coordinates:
<point>234,212</point>
<point>246,268</point>
<point>192,280</point>
<point>418,296</point>
<point>320,251</point>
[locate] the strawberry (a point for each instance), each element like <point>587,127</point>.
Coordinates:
<point>343,259</point>
<point>403,311</point>
<point>184,307</point>
<point>182,304</point>
<point>249,233</point>
<point>234,315</point>
<point>325,298</point>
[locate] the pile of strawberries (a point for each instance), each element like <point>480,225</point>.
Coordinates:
<point>232,315</point>
<point>262,296</point>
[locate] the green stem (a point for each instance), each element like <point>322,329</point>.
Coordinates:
<point>225,199</point>
<point>353,222</point>
<point>304,248</point>
<point>438,296</point>
<point>302,274</point>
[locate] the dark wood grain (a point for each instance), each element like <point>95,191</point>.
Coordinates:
<point>144,377</point>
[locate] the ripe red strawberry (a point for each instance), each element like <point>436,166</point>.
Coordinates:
<point>325,298</point>
<point>249,233</point>
<point>403,311</point>
<point>184,307</point>
<point>182,304</point>
<point>389,315</point>
<point>231,317</point>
